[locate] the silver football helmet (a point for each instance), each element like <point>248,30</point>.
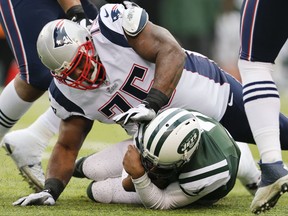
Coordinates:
<point>65,47</point>
<point>170,139</point>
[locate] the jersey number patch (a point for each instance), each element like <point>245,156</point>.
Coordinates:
<point>130,89</point>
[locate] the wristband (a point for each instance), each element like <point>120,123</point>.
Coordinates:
<point>75,13</point>
<point>155,99</point>
<point>54,187</point>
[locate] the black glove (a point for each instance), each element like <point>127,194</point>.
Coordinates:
<point>77,14</point>
<point>115,1</point>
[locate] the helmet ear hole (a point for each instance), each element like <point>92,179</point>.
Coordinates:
<point>171,138</point>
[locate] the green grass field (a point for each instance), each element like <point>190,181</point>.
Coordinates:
<point>74,201</point>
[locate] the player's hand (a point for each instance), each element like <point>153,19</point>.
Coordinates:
<point>132,162</point>
<point>85,22</point>
<point>41,198</point>
<point>141,113</point>
<point>77,14</point>
<point>128,185</point>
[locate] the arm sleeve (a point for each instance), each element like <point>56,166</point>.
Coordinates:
<point>170,198</point>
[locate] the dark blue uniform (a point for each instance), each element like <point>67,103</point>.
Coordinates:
<point>264,29</point>
<point>22,21</point>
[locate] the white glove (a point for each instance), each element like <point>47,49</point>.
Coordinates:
<point>130,128</point>
<point>137,114</point>
<point>41,198</point>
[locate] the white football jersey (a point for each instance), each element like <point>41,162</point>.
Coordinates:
<point>203,85</point>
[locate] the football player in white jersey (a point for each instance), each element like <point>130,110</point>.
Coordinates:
<point>186,157</point>
<point>127,67</point>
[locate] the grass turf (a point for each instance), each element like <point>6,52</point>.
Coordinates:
<point>74,201</point>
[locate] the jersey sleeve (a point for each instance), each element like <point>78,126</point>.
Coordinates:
<point>169,198</point>
<point>119,18</point>
<point>110,18</point>
<point>61,105</point>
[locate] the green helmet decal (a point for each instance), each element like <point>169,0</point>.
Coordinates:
<point>189,141</point>
<point>169,131</point>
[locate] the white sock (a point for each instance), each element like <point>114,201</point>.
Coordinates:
<point>12,108</point>
<point>27,145</point>
<point>263,113</point>
<point>248,172</point>
<point>45,126</point>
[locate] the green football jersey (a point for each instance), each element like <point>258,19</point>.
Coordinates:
<point>214,165</point>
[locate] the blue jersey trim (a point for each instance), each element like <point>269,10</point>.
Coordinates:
<point>60,98</point>
<point>205,67</point>
<point>112,36</point>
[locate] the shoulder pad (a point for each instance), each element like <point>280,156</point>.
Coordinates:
<point>134,20</point>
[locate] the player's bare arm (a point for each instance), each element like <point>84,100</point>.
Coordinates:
<point>71,136</point>
<point>157,45</point>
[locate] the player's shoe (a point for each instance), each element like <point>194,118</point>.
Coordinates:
<point>274,183</point>
<point>31,172</point>
<point>34,175</point>
<point>78,171</point>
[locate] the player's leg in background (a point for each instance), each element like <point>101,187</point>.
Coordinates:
<point>262,38</point>
<point>22,29</point>
<point>26,147</point>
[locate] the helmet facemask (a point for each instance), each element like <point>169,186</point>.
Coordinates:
<point>156,172</point>
<point>149,161</point>
<point>92,71</point>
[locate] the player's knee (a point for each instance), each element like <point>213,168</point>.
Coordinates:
<point>89,191</point>
<point>99,192</point>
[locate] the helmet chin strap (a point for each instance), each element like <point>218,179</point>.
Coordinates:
<point>95,72</point>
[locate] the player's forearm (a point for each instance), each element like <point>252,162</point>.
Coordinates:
<point>59,171</point>
<point>67,4</point>
<point>162,49</point>
<point>168,72</point>
<point>150,195</point>
<point>170,60</point>
<point>171,197</point>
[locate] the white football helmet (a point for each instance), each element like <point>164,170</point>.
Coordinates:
<point>63,46</point>
<point>170,139</point>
